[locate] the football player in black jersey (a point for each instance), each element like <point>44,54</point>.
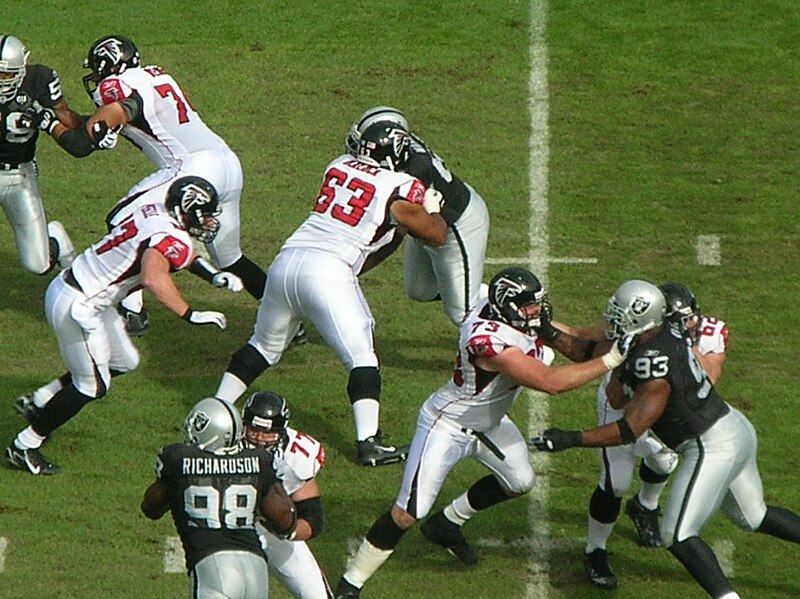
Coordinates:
<point>215,488</point>
<point>665,389</point>
<point>30,101</point>
<point>453,272</point>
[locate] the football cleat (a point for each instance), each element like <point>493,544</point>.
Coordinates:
<point>372,451</point>
<point>65,249</point>
<point>598,570</point>
<point>646,523</point>
<point>25,406</point>
<point>439,530</point>
<point>300,338</point>
<point>136,323</point>
<point>345,590</point>
<point>30,460</point>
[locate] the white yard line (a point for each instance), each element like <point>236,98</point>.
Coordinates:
<point>3,547</point>
<point>538,585</point>
<point>707,248</point>
<point>174,559</point>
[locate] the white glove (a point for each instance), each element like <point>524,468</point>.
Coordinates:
<point>227,279</point>
<point>619,351</point>
<point>432,201</point>
<point>207,317</point>
<point>106,138</point>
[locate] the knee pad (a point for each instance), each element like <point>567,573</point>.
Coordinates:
<point>660,465</point>
<point>247,364</point>
<point>364,383</point>
<point>604,506</point>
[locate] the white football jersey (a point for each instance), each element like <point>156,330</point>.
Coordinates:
<point>111,268</point>
<point>713,336</point>
<point>475,398</point>
<point>168,128</point>
<point>351,217</point>
<point>300,460</point>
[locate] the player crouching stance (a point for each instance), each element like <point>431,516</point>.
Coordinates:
<point>80,304</point>
<point>501,350</point>
<point>215,488</point>
<point>298,458</point>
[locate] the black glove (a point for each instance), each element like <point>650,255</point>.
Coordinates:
<point>554,439</point>
<point>546,330</point>
<point>40,118</point>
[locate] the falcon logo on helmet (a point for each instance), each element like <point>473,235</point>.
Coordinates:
<point>109,55</point>
<point>193,202</point>
<point>513,289</point>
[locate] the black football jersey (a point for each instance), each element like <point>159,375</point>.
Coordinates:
<point>693,405</point>
<point>429,168</point>
<point>214,498</point>
<point>18,144</point>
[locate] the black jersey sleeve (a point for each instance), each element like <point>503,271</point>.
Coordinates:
<point>45,85</point>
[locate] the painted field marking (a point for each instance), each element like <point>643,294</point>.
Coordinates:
<point>707,249</point>
<point>529,259</point>
<point>174,558</point>
<point>724,549</point>
<point>538,584</point>
<point>3,548</point>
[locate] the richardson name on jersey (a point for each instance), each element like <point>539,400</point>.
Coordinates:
<point>220,465</point>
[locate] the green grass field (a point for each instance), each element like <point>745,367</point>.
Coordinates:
<point>666,121</point>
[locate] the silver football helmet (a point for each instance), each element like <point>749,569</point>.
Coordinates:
<point>214,425</point>
<point>376,114</point>
<point>636,307</point>
<point>13,59</point>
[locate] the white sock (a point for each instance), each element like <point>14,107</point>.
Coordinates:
<point>730,595</point>
<point>44,394</point>
<point>134,302</point>
<point>230,388</point>
<point>459,511</point>
<point>599,533</point>
<point>29,439</point>
<point>366,413</point>
<point>650,493</point>
<point>367,560</point>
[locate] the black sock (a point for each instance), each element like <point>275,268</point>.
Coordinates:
<point>253,278</point>
<point>700,561</point>
<point>781,523</point>
<point>63,406</point>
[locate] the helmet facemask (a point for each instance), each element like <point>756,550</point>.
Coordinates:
<point>110,55</point>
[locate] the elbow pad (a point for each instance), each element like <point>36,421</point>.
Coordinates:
<point>310,510</point>
<point>77,142</point>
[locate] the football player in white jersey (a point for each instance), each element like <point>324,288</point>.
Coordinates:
<point>664,388</point>
<point>709,340</point>
<point>142,251</point>
<point>156,116</point>
<point>31,102</point>
<point>500,352</point>
<point>315,276</point>
<point>452,272</point>
<point>298,459</point>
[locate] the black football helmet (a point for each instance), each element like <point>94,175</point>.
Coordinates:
<point>385,144</point>
<point>266,412</point>
<point>376,114</point>
<point>682,309</point>
<point>193,202</point>
<point>512,289</point>
<point>109,55</point>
